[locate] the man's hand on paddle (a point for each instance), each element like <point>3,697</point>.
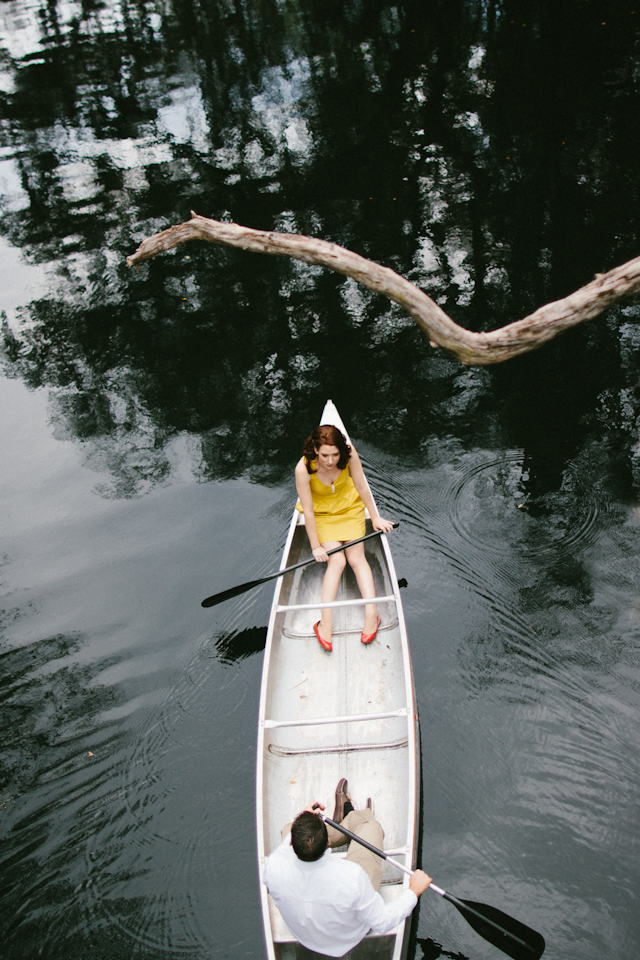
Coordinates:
<point>419,882</point>
<point>419,879</point>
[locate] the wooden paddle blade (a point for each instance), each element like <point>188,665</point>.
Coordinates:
<point>504,932</point>
<point>231,592</point>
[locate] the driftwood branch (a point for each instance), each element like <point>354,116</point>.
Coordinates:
<point>471,348</point>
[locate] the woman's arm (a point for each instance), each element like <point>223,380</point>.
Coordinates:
<point>304,492</point>
<point>361,485</point>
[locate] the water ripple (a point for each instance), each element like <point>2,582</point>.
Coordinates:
<point>157,831</point>
<point>495,493</point>
<point>203,696</point>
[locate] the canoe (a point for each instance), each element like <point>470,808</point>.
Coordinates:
<point>323,716</point>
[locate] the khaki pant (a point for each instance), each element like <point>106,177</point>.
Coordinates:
<point>363,824</point>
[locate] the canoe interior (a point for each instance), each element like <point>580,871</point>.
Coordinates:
<point>301,763</point>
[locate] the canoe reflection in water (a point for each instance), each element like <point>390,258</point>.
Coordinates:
<point>432,950</point>
<point>239,644</point>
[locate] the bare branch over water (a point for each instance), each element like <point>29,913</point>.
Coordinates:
<point>470,348</point>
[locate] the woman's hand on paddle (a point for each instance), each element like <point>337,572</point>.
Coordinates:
<point>378,523</point>
<point>320,554</point>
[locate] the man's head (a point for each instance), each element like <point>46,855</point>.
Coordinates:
<point>309,836</point>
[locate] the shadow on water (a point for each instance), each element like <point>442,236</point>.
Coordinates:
<point>237,645</point>
<point>431,950</point>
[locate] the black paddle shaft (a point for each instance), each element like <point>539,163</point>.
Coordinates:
<point>243,587</point>
<point>506,933</point>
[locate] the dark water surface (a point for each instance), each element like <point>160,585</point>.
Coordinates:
<point>151,419</point>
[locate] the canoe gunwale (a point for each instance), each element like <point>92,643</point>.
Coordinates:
<point>264,896</point>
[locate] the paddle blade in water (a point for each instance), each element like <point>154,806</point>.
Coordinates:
<point>506,933</point>
<point>231,592</point>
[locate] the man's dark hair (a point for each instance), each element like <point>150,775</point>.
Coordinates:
<point>309,836</point>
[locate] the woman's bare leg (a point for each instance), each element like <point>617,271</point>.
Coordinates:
<point>335,565</point>
<point>360,566</point>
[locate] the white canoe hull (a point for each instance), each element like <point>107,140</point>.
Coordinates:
<point>308,734</point>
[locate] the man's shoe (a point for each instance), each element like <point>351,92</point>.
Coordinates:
<point>342,797</point>
<point>368,637</point>
<point>323,643</point>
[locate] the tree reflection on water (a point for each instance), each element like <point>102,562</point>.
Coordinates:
<point>474,150</point>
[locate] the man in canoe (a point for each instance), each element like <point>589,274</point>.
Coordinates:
<point>330,903</point>
<point>333,495</point>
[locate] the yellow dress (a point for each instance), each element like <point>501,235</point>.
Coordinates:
<point>338,509</point>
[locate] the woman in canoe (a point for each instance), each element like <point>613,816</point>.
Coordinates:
<point>333,495</point>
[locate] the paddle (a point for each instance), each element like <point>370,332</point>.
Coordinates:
<point>236,591</point>
<point>504,932</point>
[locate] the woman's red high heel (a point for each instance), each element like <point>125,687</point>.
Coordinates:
<point>327,643</point>
<point>367,637</point>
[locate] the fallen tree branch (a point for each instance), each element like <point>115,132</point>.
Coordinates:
<point>471,348</point>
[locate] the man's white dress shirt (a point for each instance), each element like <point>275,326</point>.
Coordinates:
<point>329,905</point>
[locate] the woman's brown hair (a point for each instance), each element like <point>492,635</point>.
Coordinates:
<point>332,437</point>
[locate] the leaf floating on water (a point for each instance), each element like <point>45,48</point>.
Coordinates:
<point>89,754</point>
